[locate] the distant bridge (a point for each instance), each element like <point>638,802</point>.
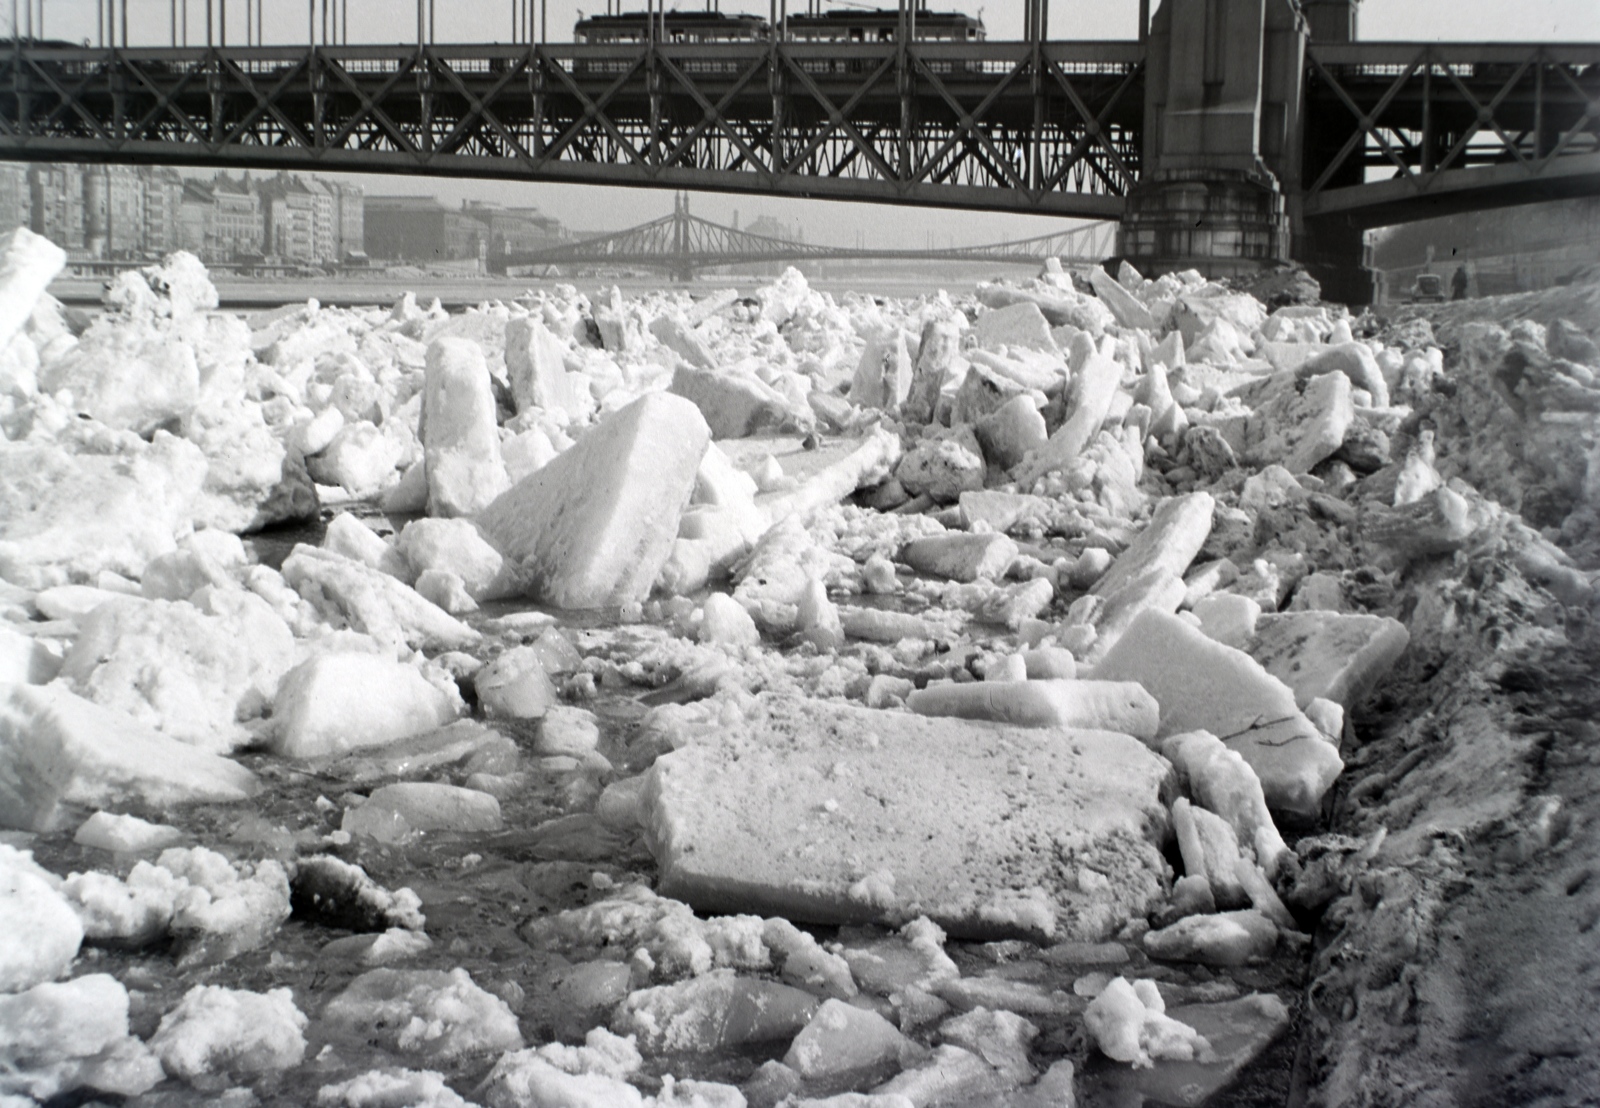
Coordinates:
<point>1232,134</point>
<point>682,243</point>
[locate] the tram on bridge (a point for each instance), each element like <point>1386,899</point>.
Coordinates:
<point>846,25</point>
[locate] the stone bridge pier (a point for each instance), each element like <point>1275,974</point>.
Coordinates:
<point>1224,129</point>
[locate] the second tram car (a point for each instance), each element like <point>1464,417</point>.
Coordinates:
<point>847,25</point>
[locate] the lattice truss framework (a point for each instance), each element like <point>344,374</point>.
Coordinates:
<point>1046,127</point>
<point>1414,113</point>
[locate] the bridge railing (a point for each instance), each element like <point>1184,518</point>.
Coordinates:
<point>1393,122</point>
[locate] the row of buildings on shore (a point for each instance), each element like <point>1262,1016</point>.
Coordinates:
<point>116,213</point>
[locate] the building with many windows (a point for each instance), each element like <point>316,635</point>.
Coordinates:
<point>289,219</point>
<point>324,228</point>
<point>420,229</point>
<point>16,198</point>
<point>113,212</point>
<point>237,231</point>
<point>513,231</point>
<point>163,201</point>
<point>56,205</point>
<point>197,209</point>
<point>350,229</point>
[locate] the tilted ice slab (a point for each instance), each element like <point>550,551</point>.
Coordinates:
<point>829,813</point>
<point>593,528</point>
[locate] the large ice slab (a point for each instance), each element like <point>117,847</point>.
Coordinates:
<point>55,746</point>
<point>828,813</point>
<point>1203,685</point>
<point>594,527</point>
<point>1333,655</point>
<point>536,366</point>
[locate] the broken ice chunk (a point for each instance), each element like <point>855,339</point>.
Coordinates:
<point>56,1038</point>
<point>187,673</point>
<point>958,556</point>
<point>42,931</point>
<point>1222,781</point>
<point>1238,1031</point>
<point>27,266</point>
<point>1121,706</point>
<point>1299,428</point>
<point>951,1075</point>
<point>1129,1023</point>
<point>1328,654</point>
<point>1000,1038</point>
<point>1177,530</point>
<point>1227,939</point>
<point>515,686</point>
<point>1204,685</point>
<point>226,909</point>
<point>106,831</point>
<point>461,442</point>
<point>371,601</point>
<point>391,1088</point>
<point>215,1030</point>
<point>65,516</point>
<point>735,405</point>
<point>844,1047</point>
<point>335,703</point>
<point>24,660</point>
<point>437,1015</point>
<point>712,1012</point>
<point>336,893</point>
<point>55,746</point>
<point>133,912</point>
<point>943,466</point>
<point>394,811</point>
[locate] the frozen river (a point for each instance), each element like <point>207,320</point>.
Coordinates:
<point>457,292</point>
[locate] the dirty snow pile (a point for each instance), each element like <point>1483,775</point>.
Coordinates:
<point>804,700</point>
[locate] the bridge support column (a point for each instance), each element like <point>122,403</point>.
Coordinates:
<point>1223,80</point>
<point>1334,252</point>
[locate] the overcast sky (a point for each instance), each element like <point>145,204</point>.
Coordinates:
<point>592,208</point>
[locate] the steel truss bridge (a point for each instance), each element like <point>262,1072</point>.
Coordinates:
<point>682,243</point>
<point>1041,127</point>
<point>1386,132</point>
<point>1400,131</point>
